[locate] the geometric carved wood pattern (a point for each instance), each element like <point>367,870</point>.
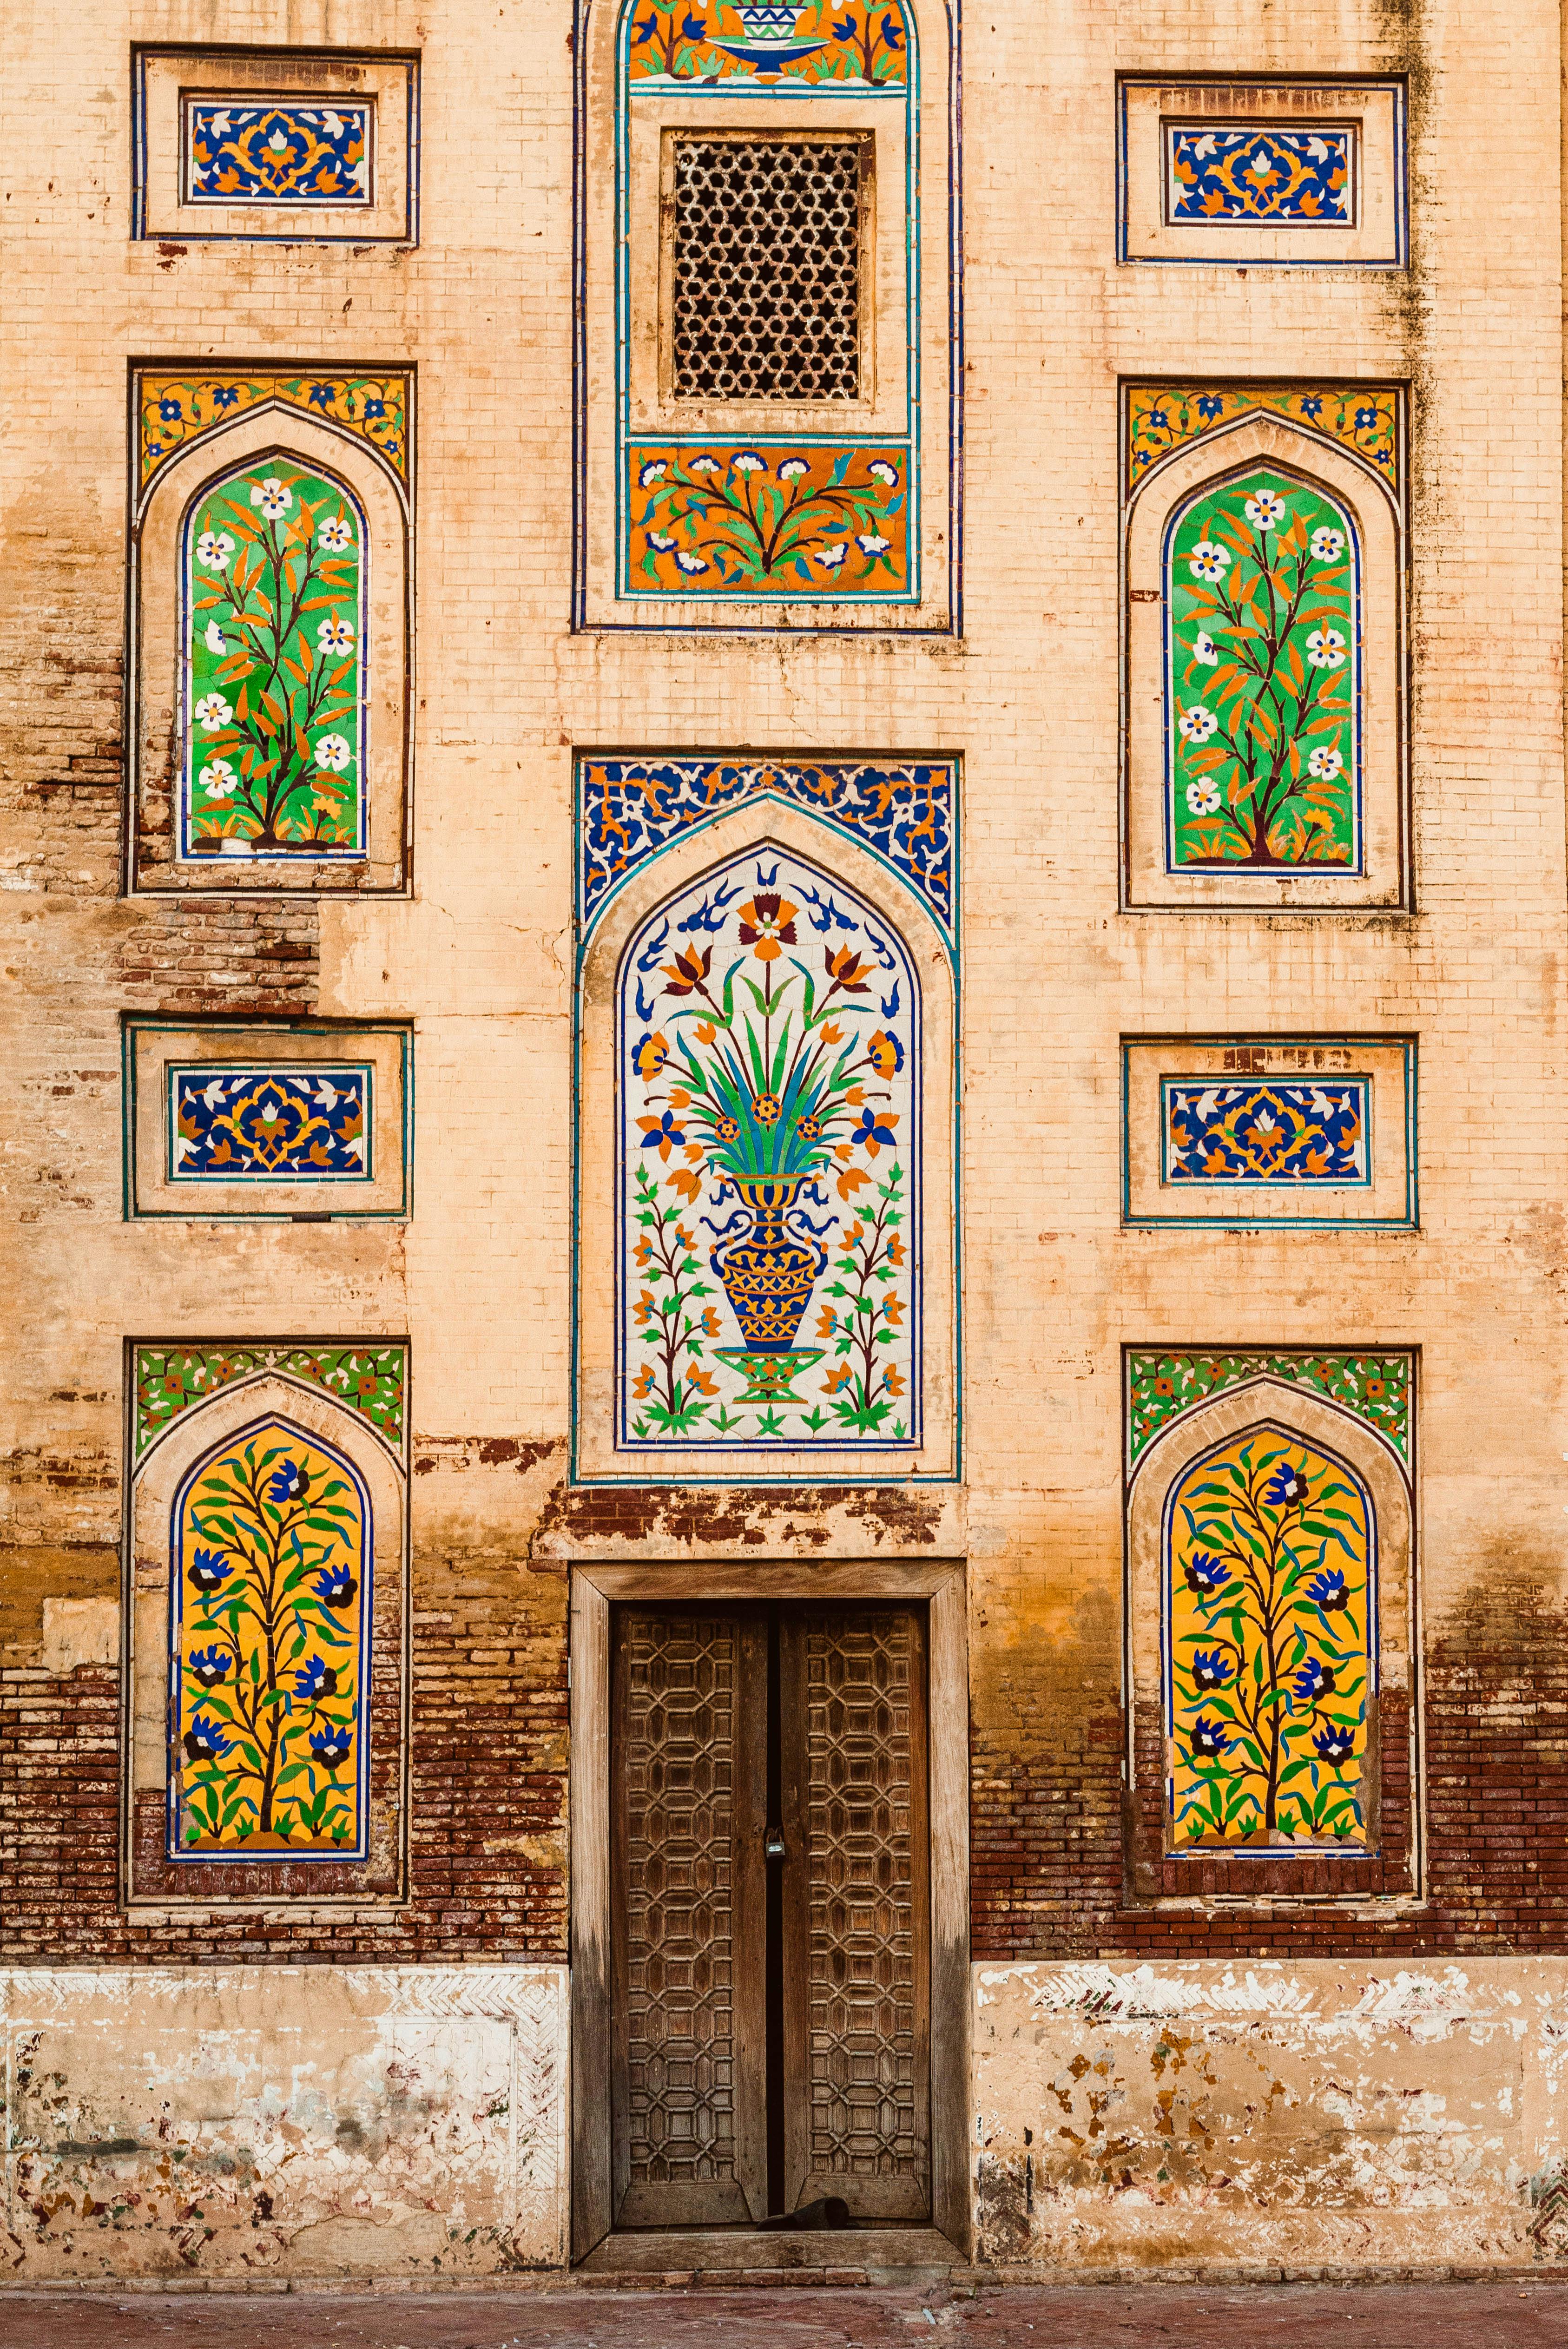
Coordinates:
<point>686,1952</point>
<point>690,1928</point>
<point>857,2058</point>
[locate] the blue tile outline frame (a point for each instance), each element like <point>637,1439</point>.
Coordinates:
<point>344,1031</point>
<point>1396,84</point>
<point>579,621</point>
<point>276,1073</point>
<point>1360,1080</point>
<point>172,1853</point>
<point>1220,1221</point>
<point>1172,132</point>
<point>290,231</point>
<point>193,103</point>
<point>583,929</point>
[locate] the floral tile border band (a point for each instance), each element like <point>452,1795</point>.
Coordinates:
<point>1376,1387</point>
<point>175,407</point>
<point>630,809</point>
<point>370,1379</point>
<point>1362,417</point>
<point>773,518</point>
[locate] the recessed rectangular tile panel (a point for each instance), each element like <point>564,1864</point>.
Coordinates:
<point>1316,1130</point>
<point>1290,175</point>
<point>225,1119</point>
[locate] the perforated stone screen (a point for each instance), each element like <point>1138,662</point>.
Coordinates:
<point>767,267</point>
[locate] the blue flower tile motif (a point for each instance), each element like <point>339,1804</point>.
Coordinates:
<point>1250,172</point>
<point>1266,1132</point>
<point>631,808</point>
<point>279,153</point>
<point>296,1123</point>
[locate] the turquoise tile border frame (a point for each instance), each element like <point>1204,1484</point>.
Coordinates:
<point>628,443</point>
<point>346,1033</point>
<point>1220,1221</point>
<point>591,899</point>
<point>950,623</point>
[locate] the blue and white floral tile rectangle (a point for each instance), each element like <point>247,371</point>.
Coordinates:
<point>1224,173</point>
<point>224,1119</point>
<point>230,145</point>
<point>1254,1132</point>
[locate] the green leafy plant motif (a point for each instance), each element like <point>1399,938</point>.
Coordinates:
<point>270,1675</point>
<point>768,1089</point>
<point>1261,709</point>
<point>275,687</point>
<point>1270,1651</point>
<point>865,1316</point>
<point>780,521</point>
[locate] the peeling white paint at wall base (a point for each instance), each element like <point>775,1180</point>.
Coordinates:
<point>291,2121</point>
<point>235,2124</point>
<point>1315,2116</point>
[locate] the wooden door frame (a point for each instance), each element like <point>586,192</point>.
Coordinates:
<point>593,1589</point>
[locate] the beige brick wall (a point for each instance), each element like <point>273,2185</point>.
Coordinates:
<point>480,955</point>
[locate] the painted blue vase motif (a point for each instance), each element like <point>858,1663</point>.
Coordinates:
<point>768,1273</point>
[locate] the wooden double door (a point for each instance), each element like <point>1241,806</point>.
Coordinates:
<point>770,1913</point>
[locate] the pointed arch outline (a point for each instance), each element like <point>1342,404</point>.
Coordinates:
<point>156,654</point>
<point>1393,1865</point>
<point>759,823</point>
<point>163,1472</point>
<point>365,1645</point>
<point>1260,437</point>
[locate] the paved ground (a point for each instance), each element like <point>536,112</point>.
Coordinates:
<point>1103,2316</point>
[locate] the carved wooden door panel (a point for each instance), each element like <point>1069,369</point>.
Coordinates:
<point>769,1914</point>
<point>856,1910</point>
<point>687,1919</point>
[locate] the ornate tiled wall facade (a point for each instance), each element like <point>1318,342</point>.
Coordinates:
<point>1359,1210</point>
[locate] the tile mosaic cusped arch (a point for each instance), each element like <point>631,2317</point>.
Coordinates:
<point>1271,1664</point>
<point>270,614</point>
<point>1264,555</point>
<point>752,507</point>
<point>268,1618</point>
<point>766,1276</point>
